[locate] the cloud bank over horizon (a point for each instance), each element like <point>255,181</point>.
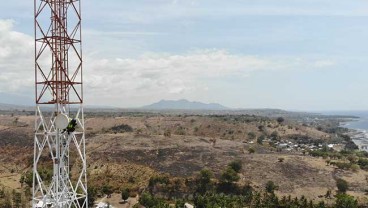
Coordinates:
<point>144,78</point>
<point>244,54</point>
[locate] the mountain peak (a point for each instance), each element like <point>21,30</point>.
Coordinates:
<point>184,104</point>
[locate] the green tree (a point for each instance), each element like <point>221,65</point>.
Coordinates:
<point>270,186</point>
<point>107,189</point>
<point>247,193</point>
<point>203,180</point>
<point>229,176</point>
<point>227,181</point>
<point>125,194</point>
<point>91,195</point>
<point>345,201</point>
<point>150,201</point>
<point>147,200</point>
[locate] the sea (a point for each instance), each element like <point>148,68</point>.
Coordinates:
<point>358,126</point>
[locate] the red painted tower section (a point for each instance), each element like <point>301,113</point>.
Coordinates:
<point>58,52</point>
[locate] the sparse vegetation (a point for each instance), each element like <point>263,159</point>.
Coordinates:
<point>121,128</point>
<point>172,170</point>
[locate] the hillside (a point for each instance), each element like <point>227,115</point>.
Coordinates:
<point>130,150</point>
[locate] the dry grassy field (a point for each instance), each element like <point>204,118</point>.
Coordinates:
<point>126,151</point>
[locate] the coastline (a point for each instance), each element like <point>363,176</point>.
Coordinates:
<point>358,135</point>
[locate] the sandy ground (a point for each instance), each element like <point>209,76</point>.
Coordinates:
<point>115,201</point>
<point>10,181</point>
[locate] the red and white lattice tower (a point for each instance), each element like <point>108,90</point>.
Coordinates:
<point>59,171</point>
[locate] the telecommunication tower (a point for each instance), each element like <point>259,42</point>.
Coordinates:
<point>59,170</point>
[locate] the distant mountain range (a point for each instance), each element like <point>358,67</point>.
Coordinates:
<point>184,105</point>
<point>12,107</point>
<point>14,99</point>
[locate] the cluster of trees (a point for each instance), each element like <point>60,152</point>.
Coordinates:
<point>13,199</point>
<point>345,159</point>
<point>226,192</point>
<point>121,128</point>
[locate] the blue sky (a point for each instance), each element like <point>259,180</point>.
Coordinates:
<point>289,54</point>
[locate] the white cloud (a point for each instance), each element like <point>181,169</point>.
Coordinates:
<point>142,79</point>
<point>16,58</point>
<point>324,63</point>
<point>155,76</point>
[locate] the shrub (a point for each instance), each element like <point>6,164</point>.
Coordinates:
<point>363,163</point>
<point>203,181</point>
<point>180,131</point>
<point>150,201</point>
<point>228,181</point>
<point>260,139</point>
<point>251,135</point>
<point>158,179</point>
<point>342,185</point>
<point>261,128</point>
<point>107,189</point>
<point>280,120</point>
<point>236,165</point>
<point>122,128</point>
<point>167,133</point>
<point>229,176</point>
<point>345,201</point>
<point>274,135</point>
<point>91,195</point>
<point>354,167</point>
<point>270,186</point>
<point>342,165</point>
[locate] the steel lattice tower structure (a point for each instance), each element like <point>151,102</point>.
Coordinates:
<point>59,171</point>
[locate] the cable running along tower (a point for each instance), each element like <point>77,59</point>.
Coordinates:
<point>59,170</point>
